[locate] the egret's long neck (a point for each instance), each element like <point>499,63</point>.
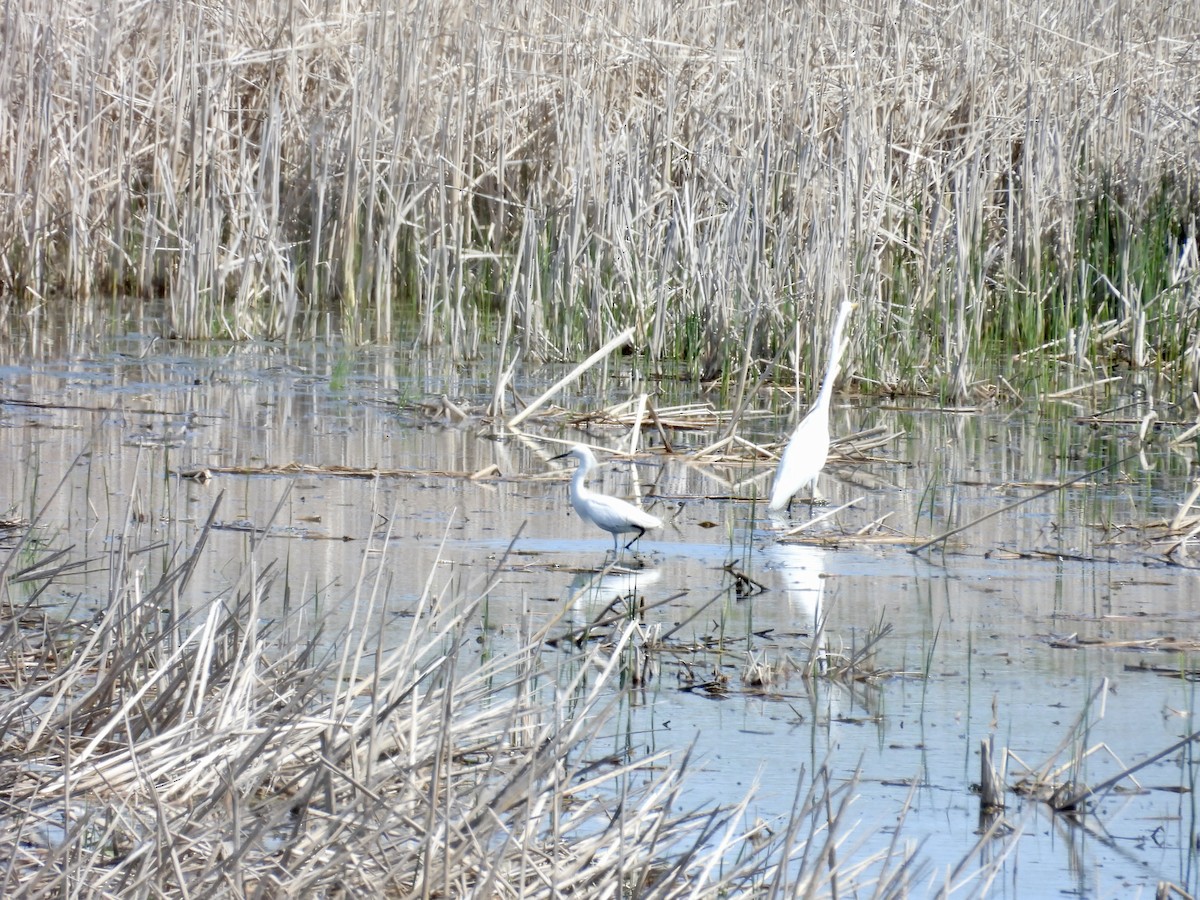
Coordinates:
<point>837,347</point>
<point>579,480</point>
<point>826,393</point>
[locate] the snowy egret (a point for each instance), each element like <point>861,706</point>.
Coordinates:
<point>610,513</point>
<point>806,452</point>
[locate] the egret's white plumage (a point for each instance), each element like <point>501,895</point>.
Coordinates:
<point>806,452</point>
<point>614,515</point>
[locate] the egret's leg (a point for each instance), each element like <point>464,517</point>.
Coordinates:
<point>635,538</point>
<point>814,497</point>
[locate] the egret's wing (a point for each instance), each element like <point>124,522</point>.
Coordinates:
<point>616,515</point>
<point>802,459</point>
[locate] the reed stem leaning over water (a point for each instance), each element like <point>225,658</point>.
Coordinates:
<point>613,344</point>
<point>996,512</point>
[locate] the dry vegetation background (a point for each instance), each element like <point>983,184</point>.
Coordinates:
<point>980,174</point>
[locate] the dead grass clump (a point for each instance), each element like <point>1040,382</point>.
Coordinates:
<point>168,748</point>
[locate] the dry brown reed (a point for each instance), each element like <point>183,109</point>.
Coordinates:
<point>170,746</point>
<point>717,176</point>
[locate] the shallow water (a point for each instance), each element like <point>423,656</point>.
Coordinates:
<point>970,655</point>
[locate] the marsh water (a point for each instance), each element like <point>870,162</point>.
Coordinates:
<point>1059,611</point>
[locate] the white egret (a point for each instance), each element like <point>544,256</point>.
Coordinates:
<point>806,452</point>
<point>610,513</point>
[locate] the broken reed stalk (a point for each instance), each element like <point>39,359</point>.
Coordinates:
<point>1185,509</point>
<point>991,783</point>
<point>662,432</point>
<point>635,432</point>
<point>996,512</point>
<point>503,374</point>
<point>619,341</point>
<point>1073,800</point>
<point>14,552</point>
<point>999,841</point>
<point>1180,520</point>
<point>816,520</point>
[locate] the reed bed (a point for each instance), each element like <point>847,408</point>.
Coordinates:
<point>169,746</point>
<point>983,176</point>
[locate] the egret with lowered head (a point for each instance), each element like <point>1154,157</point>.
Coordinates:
<point>614,515</point>
<point>806,452</point>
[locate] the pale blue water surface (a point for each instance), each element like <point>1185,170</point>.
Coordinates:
<point>970,654</point>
